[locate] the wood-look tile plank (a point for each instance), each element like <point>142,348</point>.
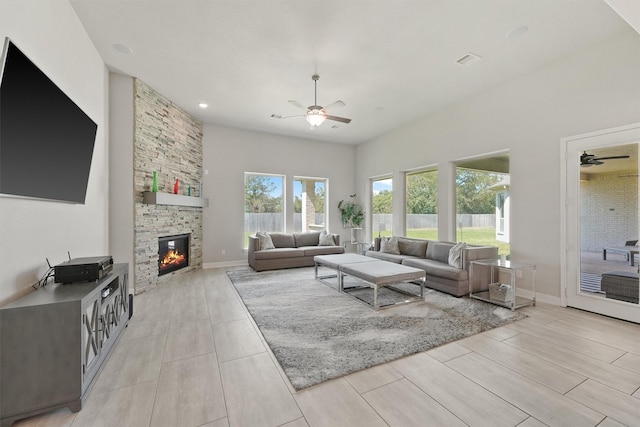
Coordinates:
<point>622,335</point>
<point>127,406</point>
<point>608,422</point>
<point>236,339</point>
<point>573,342</point>
<point>616,405</point>
<point>189,310</point>
<point>226,310</point>
<point>532,422</point>
<point>300,422</point>
<point>403,404</point>
<point>608,374</point>
<point>630,362</point>
<point>132,362</point>
<point>222,422</point>
<point>188,339</point>
<point>447,352</point>
<point>371,378</point>
<point>255,394</point>
<point>147,323</point>
<point>544,404</point>
<point>189,393</point>
<point>502,333</point>
<point>539,370</point>
<point>467,400</point>
<point>336,403</point>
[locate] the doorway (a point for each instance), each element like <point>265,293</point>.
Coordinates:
<point>600,213</point>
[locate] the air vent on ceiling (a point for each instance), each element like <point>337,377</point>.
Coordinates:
<point>468,59</point>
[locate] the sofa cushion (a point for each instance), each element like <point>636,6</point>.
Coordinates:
<point>310,238</point>
<point>455,254</point>
<point>386,257</point>
<point>326,239</point>
<point>279,253</point>
<point>265,240</point>
<point>389,245</point>
<point>283,240</point>
<point>322,250</point>
<point>439,251</point>
<point>417,248</point>
<point>437,268</point>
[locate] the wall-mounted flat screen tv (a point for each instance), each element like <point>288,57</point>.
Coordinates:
<point>46,140</point>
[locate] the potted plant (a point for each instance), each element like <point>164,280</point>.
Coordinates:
<point>351,212</point>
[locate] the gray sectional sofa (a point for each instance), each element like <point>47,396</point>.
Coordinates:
<point>290,250</point>
<point>433,257</point>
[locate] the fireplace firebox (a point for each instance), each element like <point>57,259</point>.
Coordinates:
<point>173,253</point>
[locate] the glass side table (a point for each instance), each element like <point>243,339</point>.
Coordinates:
<point>504,294</point>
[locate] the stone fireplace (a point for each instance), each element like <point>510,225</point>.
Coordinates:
<point>167,140</point>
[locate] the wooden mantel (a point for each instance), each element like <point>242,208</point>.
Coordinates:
<point>153,198</point>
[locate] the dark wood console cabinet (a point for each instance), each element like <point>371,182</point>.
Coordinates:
<point>54,342</point>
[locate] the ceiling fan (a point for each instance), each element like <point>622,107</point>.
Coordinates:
<point>587,160</point>
<point>316,114</point>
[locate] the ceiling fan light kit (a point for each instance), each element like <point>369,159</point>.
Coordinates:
<point>316,114</point>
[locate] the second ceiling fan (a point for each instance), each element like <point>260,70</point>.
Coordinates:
<point>316,114</point>
<point>587,160</point>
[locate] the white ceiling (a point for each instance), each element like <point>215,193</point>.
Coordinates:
<point>390,61</point>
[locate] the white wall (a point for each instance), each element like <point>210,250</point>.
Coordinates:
<point>228,153</point>
<point>51,35</point>
<point>121,215</point>
<point>592,89</point>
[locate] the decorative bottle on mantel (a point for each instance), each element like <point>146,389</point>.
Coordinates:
<point>175,187</point>
<point>154,187</point>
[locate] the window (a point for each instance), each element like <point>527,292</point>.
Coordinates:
<point>263,204</point>
<point>422,204</point>
<point>482,214</point>
<point>382,206</point>
<point>309,201</point>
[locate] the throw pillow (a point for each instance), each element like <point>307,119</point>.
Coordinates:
<point>389,245</point>
<point>455,254</point>
<point>265,240</point>
<point>326,239</point>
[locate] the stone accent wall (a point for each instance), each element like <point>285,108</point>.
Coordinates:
<point>609,210</point>
<point>169,141</point>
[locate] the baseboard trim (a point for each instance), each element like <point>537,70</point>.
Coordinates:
<point>223,264</point>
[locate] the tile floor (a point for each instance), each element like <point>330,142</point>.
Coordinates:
<point>192,356</point>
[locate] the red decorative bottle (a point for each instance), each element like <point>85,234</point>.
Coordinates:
<point>175,187</point>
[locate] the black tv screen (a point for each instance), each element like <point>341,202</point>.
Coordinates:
<point>46,140</point>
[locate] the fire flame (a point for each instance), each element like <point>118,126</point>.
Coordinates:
<point>172,257</point>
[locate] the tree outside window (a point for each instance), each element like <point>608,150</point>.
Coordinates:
<point>263,204</point>
<point>422,205</point>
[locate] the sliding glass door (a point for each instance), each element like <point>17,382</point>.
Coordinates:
<point>600,272</point>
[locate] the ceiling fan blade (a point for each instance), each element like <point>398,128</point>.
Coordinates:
<point>278,116</point>
<point>297,104</point>
<point>585,165</point>
<point>338,119</point>
<point>336,104</point>
<point>610,157</point>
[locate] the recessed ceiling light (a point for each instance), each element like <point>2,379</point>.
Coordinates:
<point>516,32</point>
<point>203,105</point>
<point>122,49</point>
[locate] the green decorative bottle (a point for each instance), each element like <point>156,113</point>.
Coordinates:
<point>154,187</point>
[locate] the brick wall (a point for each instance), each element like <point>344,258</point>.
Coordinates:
<point>169,141</point>
<point>609,210</point>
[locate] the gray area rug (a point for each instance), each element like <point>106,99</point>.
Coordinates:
<point>317,333</point>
